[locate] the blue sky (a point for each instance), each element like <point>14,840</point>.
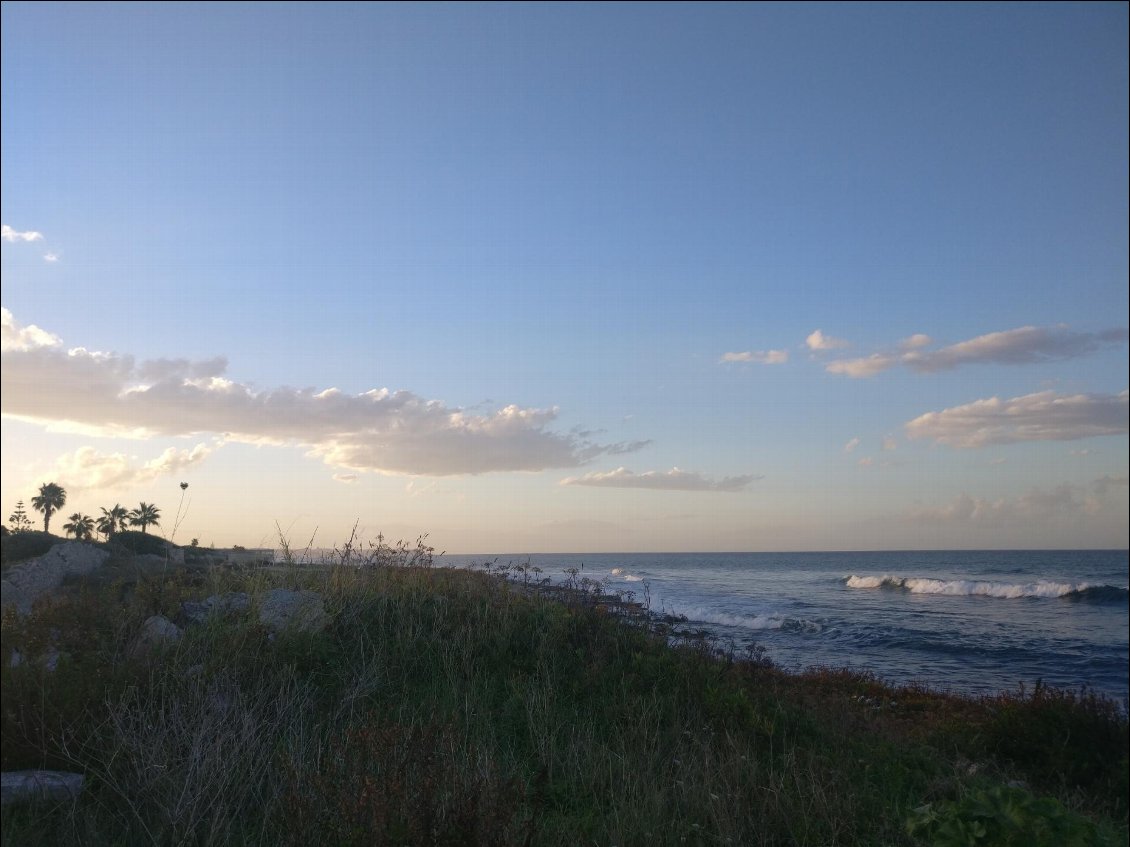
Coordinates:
<point>859,273</point>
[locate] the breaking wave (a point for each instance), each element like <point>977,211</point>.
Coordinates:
<point>700,614</point>
<point>1044,588</point>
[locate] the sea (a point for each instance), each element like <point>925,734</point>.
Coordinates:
<point>969,622</point>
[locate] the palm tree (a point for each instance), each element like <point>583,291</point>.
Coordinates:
<point>113,520</point>
<point>143,515</point>
<point>50,499</point>
<point>81,526</point>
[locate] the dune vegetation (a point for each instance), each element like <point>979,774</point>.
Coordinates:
<point>443,706</point>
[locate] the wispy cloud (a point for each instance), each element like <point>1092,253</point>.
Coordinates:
<point>761,357</point>
<point>817,340</point>
<point>11,235</point>
<point>1044,416</point>
<point>672,480</point>
<point>51,258</point>
<point>1034,506</point>
<point>88,469</point>
<point>851,445</point>
<point>865,366</point>
<point>378,430</point>
<point>346,478</point>
<point>1022,346</point>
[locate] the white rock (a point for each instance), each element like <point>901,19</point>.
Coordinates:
<point>28,580</point>
<point>157,631</point>
<point>281,609</point>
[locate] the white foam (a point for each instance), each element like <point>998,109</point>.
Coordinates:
<point>969,587</point>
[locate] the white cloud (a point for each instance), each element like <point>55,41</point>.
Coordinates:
<point>867,366</point>
<point>817,340</point>
<point>345,477</point>
<point>51,257</point>
<point>1025,345</point>
<point>1045,416</point>
<point>10,235</point>
<point>89,469</point>
<point>672,480</point>
<point>1036,506</point>
<point>866,462</point>
<point>761,357</point>
<point>392,432</point>
<point>915,341</point>
<point>851,445</point>
<point>13,336</point>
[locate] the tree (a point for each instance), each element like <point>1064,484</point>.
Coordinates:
<point>19,520</point>
<point>145,514</point>
<point>81,526</point>
<point>50,499</point>
<point>113,520</point>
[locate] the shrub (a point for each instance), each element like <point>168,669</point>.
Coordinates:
<point>27,545</point>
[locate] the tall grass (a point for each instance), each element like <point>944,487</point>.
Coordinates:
<point>456,707</point>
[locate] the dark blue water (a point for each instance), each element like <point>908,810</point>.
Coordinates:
<point>965,621</point>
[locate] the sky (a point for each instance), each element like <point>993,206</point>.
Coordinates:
<point>571,278</point>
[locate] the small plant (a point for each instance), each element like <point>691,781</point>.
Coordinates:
<point>1002,816</point>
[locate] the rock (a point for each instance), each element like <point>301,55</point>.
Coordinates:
<point>29,786</point>
<point>231,603</point>
<point>27,581</point>
<point>281,609</point>
<point>157,631</point>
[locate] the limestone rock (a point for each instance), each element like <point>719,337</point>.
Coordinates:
<point>28,786</point>
<point>232,603</point>
<point>281,609</point>
<point>29,580</point>
<point>157,631</point>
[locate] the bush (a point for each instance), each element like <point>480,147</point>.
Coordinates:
<point>140,543</point>
<point>26,545</point>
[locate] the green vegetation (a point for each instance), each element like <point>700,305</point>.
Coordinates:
<point>455,707</point>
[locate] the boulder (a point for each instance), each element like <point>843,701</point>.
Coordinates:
<point>27,581</point>
<point>281,609</point>
<point>29,786</point>
<point>232,603</point>
<point>157,631</point>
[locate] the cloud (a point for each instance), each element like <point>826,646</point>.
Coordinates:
<point>1037,505</point>
<point>1026,345</point>
<point>889,442</point>
<point>87,469</point>
<point>915,341</point>
<point>378,430</point>
<point>761,357</point>
<point>51,257</point>
<point>851,445</point>
<point>1022,346</point>
<point>672,480</point>
<point>819,341</point>
<point>345,477</point>
<point>11,236</point>
<point>867,366</point>
<point>1045,416</point>
<point>866,462</point>
<point>15,337</point>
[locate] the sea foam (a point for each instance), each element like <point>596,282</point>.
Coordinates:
<point>975,588</point>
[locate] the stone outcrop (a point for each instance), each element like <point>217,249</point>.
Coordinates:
<point>30,786</point>
<point>232,603</point>
<point>157,631</point>
<point>281,609</point>
<point>25,582</point>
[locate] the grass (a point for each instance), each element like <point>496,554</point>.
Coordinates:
<point>455,707</point>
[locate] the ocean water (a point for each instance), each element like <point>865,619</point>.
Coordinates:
<point>963,621</point>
